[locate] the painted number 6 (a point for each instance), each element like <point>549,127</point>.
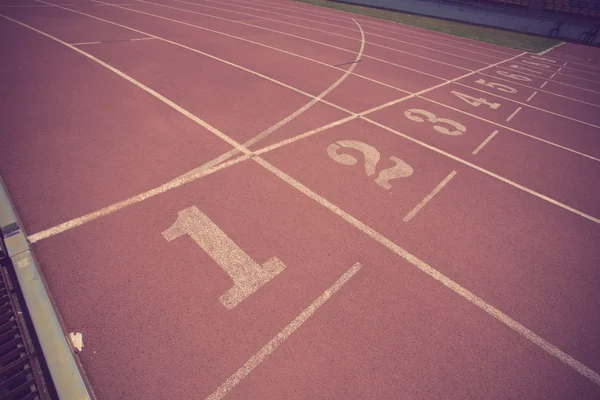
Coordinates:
<point>459,128</point>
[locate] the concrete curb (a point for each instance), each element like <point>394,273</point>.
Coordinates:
<point>67,378</point>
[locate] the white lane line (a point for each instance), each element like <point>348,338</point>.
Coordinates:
<point>287,16</point>
<point>497,76</point>
<point>84,43</point>
<point>538,68</point>
<point>285,333</point>
<point>199,52</point>
<point>531,97</point>
<point>541,53</point>
<point>144,38</point>
<point>237,145</point>
<point>468,84</point>
<point>521,71</point>
<point>438,276</point>
<point>472,298</point>
<point>485,171</point>
<point>402,28</point>
<point>112,41</point>
<point>429,197</point>
<point>439,85</point>
<point>486,141</point>
<point>28,5</point>
<point>531,106</point>
<point>252,41</point>
<point>455,79</point>
<point>565,72</point>
<point>552,77</point>
<point>179,181</point>
<point>513,129</point>
<point>513,114</point>
<point>290,117</point>
<point>297,37</point>
<point>304,135</point>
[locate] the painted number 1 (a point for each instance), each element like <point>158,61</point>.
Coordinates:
<point>247,275</point>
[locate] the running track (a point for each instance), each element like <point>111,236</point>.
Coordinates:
<point>267,200</point>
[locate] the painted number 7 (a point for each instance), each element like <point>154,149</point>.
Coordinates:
<point>247,275</point>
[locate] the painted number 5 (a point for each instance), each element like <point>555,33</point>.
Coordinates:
<point>413,115</point>
<point>372,156</point>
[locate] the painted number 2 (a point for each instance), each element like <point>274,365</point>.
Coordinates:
<point>372,156</point>
<point>247,275</point>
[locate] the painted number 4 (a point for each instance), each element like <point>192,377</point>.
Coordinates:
<point>474,101</point>
<point>247,275</point>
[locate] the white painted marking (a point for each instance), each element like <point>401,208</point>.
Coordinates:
<point>483,170</point>
<point>28,5</point>
<point>552,77</point>
<point>534,107</point>
<point>270,347</point>
<point>429,197</point>
<point>541,53</point>
<point>486,141</point>
<point>402,28</point>
<point>295,36</point>
<point>194,50</point>
<point>544,84</point>
<point>416,115</point>
<point>513,114</point>
<point>439,85</point>
<point>541,87</point>
<point>219,134</point>
<point>438,276</point>
<point>514,130</point>
<point>531,97</point>
<point>495,85</point>
<point>261,14</point>
<point>474,101</point>
<point>76,340</point>
<point>182,180</point>
<point>290,117</point>
<point>525,76</point>
<point>84,43</point>
<point>305,135</point>
<point>528,334</point>
<point>258,44</point>
<point>371,156</point>
<point>142,38</point>
<point>248,276</point>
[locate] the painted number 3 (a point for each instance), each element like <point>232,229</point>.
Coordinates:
<point>416,115</point>
<point>372,156</point>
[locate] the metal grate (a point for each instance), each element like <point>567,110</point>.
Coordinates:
<point>21,367</point>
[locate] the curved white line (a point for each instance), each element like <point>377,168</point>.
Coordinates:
<point>273,128</point>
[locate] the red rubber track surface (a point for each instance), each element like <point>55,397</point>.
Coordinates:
<point>472,209</point>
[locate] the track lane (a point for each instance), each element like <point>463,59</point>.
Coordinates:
<point>98,127</point>
<point>390,26</point>
<point>509,245</point>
